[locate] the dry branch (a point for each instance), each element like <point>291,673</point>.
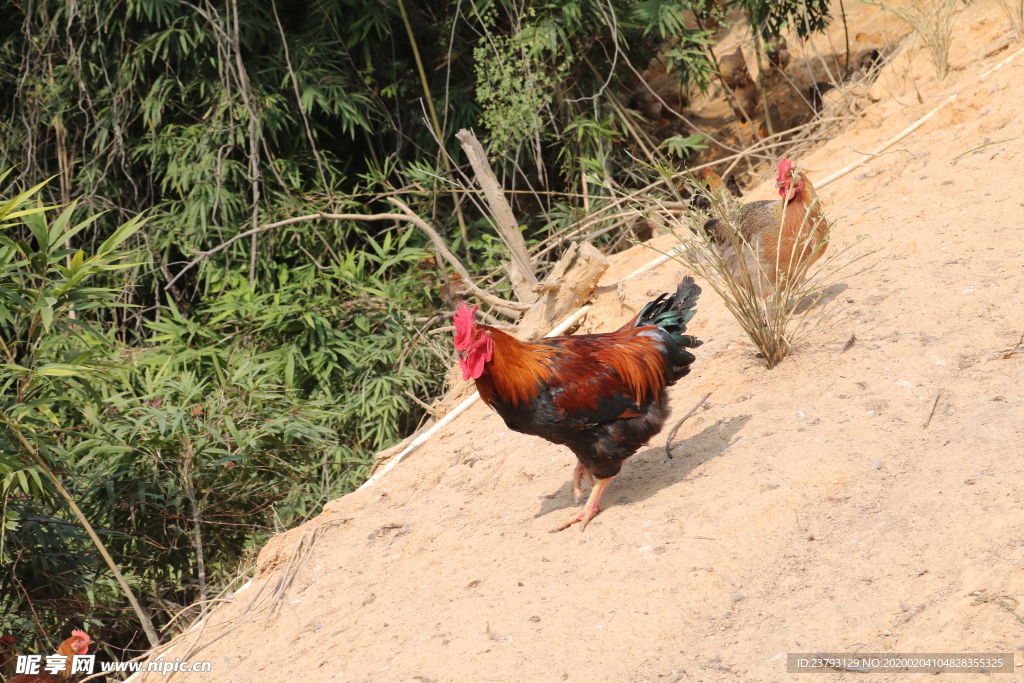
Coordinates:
<point>506,307</point>
<point>520,269</point>
<point>568,286</point>
<point>672,432</point>
<point>931,412</point>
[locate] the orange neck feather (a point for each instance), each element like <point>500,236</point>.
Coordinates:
<point>800,220</point>
<point>801,233</point>
<point>513,370</point>
<point>513,373</point>
<point>67,648</point>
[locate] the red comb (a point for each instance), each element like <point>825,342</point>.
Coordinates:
<point>785,166</point>
<point>464,319</point>
<point>79,633</point>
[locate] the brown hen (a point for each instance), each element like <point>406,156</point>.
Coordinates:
<point>778,240</point>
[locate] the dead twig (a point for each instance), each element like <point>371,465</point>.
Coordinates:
<point>504,306</point>
<point>872,154</point>
<point>510,308</point>
<point>1009,352</point>
<point>451,328</point>
<point>426,406</point>
<point>300,555</point>
<point>521,269</point>
<point>975,149</point>
<point>932,411</point>
<point>848,345</point>
<point>672,432</point>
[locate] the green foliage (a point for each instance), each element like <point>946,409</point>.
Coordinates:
<point>342,334</point>
<point>771,17</point>
<point>513,90</point>
<point>683,145</point>
<point>185,452</point>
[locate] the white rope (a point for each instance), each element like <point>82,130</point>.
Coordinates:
<point>660,261</point>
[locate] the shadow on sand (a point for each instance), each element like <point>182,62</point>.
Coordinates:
<point>650,471</point>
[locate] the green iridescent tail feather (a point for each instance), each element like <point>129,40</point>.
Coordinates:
<point>672,313</point>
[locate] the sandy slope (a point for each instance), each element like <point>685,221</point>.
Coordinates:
<point>806,508</point>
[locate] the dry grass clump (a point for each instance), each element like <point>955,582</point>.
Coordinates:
<point>933,21</point>
<point>1014,10</point>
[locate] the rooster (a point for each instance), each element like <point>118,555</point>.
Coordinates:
<point>77,644</point>
<point>778,240</point>
<point>729,66</point>
<point>602,395</point>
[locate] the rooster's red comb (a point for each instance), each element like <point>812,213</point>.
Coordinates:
<point>785,166</point>
<point>464,319</point>
<point>79,633</point>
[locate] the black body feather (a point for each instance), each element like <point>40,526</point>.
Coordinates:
<point>614,425</point>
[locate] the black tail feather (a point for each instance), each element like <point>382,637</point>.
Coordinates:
<point>672,313</point>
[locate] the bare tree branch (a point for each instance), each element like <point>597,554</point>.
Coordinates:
<point>442,249</point>
<point>504,219</point>
<point>509,308</point>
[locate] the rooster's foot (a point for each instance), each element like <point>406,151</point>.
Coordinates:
<point>584,516</point>
<point>577,475</point>
<point>589,510</point>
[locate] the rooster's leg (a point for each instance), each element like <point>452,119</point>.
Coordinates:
<point>576,476</point>
<point>591,509</point>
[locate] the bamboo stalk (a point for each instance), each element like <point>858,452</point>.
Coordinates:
<point>433,118</point>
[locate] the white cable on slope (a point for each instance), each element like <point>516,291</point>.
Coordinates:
<point>661,260</point>
<point>665,258</point>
